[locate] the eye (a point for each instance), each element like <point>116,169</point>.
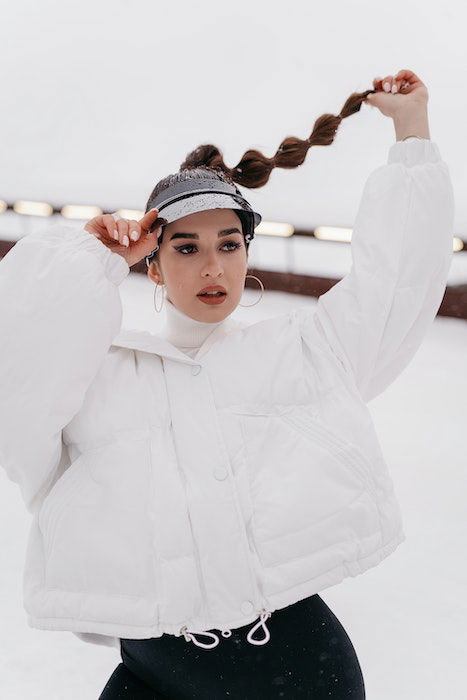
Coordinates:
<point>234,243</point>
<point>182,248</point>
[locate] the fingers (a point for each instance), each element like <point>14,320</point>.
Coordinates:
<point>402,81</point>
<point>408,75</point>
<point>389,84</point>
<point>128,229</point>
<point>410,80</point>
<point>386,84</point>
<point>148,219</point>
<point>120,230</point>
<point>134,229</point>
<point>109,224</point>
<point>123,229</point>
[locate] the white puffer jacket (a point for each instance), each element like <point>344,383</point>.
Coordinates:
<point>178,495</point>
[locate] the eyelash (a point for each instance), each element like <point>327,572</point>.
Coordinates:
<point>191,245</point>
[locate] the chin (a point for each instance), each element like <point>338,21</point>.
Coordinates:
<point>214,312</point>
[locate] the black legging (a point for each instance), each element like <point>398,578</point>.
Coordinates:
<point>309,655</point>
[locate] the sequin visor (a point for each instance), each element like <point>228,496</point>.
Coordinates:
<point>199,194</point>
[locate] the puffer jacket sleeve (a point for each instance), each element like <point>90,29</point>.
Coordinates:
<point>375,318</point>
<point>60,310</point>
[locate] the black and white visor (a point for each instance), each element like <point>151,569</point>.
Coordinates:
<point>199,194</point>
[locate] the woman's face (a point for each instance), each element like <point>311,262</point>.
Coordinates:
<point>201,249</point>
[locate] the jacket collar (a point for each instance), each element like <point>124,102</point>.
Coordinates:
<point>137,339</point>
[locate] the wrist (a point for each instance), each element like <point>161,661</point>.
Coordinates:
<point>412,122</point>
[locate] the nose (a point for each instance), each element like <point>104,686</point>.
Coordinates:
<point>213,266</point>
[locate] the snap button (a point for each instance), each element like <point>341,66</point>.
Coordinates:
<point>195,369</point>
<point>220,473</point>
<point>246,607</point>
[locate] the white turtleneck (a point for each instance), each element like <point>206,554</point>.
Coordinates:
<point>186,333</point>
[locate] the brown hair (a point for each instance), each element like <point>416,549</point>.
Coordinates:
<point>254,168</point>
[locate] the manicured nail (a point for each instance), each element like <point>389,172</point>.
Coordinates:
<point>116,235</point>
<point>134,235</point>
<point>386,87</point>
<point>394,88</point>
<point>126,241</point>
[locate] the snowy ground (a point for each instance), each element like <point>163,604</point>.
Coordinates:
<point>407,617</point>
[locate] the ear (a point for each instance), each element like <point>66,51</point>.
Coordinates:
<point>154,273</point>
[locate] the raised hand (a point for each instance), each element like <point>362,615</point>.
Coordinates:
<point>129,238</point>
<point>395,93</point>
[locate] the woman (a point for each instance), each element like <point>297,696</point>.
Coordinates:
<point>192,492</point>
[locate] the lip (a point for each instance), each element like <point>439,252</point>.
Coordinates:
<point>213,300</point>
<point>212,288</point>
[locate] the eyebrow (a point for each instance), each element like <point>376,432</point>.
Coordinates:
<point>225,232</point>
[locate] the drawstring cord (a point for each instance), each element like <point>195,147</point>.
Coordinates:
<point>262,623</point>
<point>263,616</point>
<point>190,637</point>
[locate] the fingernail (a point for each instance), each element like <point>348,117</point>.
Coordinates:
<point>134,235</point>
<point>126,241</point>
<point>386,87</point>
<point>116,235</point>
<point>394,88</point>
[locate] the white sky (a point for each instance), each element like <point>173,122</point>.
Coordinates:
<point>102,99</point>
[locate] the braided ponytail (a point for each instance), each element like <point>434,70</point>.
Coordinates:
<point>254,168</point>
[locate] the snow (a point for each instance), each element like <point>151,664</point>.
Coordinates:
<point>406,618</point>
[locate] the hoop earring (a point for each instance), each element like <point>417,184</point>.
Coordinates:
<point>262,290</point>
<point>163,297</point>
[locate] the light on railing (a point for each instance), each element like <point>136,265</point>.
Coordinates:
<point>274,228</point>
<point>333,233</point>
<point>268,228</point>
<point>24,206</point>
<point>135,214</point>
<point>337,233</point>
<point>79,211</point>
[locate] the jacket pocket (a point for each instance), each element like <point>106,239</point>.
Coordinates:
<point>68,488</point>
<point>311,491</point>
<point>97,523</point>
<point>348,453</point>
